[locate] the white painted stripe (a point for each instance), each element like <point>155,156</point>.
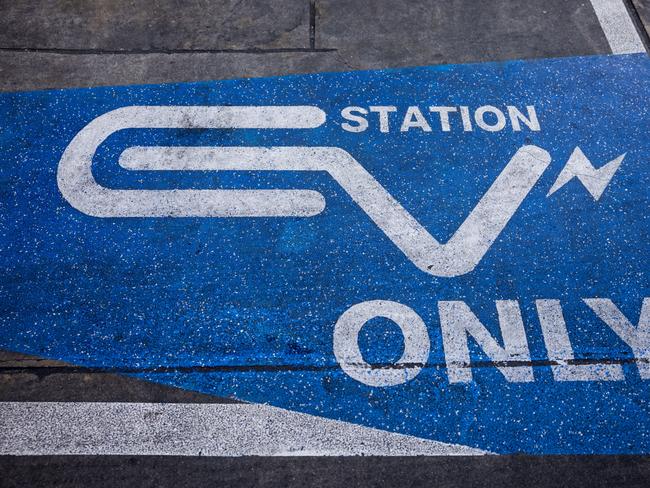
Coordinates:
<point>168,429</point>
<point>618,27</point>
<point>79,187</point>
<point>458,256</point>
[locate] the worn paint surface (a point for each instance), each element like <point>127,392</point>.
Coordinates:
<point>246,307</point>
<point>195,430</point>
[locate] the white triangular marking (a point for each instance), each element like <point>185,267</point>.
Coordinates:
<point>594,180</point>
<point>217,429</point>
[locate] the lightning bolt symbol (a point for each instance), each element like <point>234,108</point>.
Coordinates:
<point>594,180</point>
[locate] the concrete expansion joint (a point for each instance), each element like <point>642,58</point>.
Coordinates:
<point>52,50</point>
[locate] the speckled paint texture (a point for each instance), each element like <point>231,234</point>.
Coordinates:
<point>246,307</point>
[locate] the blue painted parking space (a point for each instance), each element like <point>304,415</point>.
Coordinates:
<point>457,253</point>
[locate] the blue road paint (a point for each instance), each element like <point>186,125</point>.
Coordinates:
<point>474,273</point>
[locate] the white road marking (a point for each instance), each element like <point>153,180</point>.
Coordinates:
<point>348,354</point>
<point>79,187</point>
<point>168,429</point>
<point>458,256</point>
<point>558,346</point>
<point>637,337</point>
<point>458,323</point>
<point>618,27</point>
<point>594,180</point>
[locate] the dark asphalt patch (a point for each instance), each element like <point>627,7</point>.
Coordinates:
<point>29,379</point>
<point>442,472</point>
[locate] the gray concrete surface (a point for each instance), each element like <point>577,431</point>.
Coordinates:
<point>60,44</point>
<point>385,33</point>
<point>642,9</point>
<point>70,44</point>
<point>154,26</point>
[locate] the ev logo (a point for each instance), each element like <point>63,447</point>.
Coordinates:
<point>458,256</point>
